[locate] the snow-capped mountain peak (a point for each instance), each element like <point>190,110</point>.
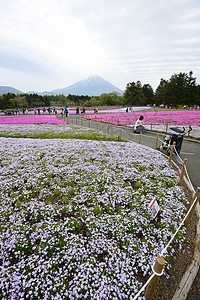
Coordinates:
<point>93,85</point>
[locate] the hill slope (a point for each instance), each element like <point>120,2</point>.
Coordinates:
<point>9,89</point>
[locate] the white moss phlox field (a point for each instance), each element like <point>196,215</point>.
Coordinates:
<point>50,130</point>
<point>75,221</point>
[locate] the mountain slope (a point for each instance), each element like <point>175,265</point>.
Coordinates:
<point>91,86</point>
<point>9,89</point>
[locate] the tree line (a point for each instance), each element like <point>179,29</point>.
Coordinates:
<point>181,89</point>
<point>11,101</point>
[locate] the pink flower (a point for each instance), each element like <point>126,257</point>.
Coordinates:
<point>46,119</point>
<point>172,117</point>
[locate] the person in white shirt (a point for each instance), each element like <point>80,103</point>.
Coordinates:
<point>138,125</point>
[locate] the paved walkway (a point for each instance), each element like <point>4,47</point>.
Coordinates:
<point>190,149</point>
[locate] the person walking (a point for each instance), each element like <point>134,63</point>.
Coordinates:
<point>66,111</point>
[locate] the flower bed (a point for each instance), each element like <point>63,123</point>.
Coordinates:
<point>155,121</point>
<point>155,118</point>
<point>74,217</point>
<point>49,131</point>
<point>31,120</point>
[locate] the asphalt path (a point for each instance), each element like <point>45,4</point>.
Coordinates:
<point>190,149</point>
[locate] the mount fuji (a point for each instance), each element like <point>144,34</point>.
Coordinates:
<point>91,86</point>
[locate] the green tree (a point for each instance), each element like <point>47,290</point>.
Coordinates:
<point>5,99</point>
<point>90,103</point>
<point>3,102</point>
<point>198,92</point>
<point>11,103</point>
<point>179,89</point>
<point>148,93</point>
<point>111,99</point>
<point>134,94</point>
<point>20,101</point>
<point>192,90</point>
<point>59,100</point>
<point>47,100</point>
<point>102,99</point>
<point>160,92</point>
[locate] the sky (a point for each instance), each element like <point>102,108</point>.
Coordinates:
<point>49,44</point>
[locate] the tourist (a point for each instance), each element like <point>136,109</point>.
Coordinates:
<point>138,125</point>
<point>66,111</point>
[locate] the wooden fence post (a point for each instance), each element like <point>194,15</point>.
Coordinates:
<point>97,125</point>
<point>190,128</point>
<point>158,269</point>
<point>195,199</point>
<point>151,126</point>
<point>140,137</point>
<point>156,142</point>
<point>81,121</point>
<point>89,123</point>
<point>166,126</point>
<point>108,129</point>
<point>120,133</point>
<point>182,171</point>
<point>172,151</point>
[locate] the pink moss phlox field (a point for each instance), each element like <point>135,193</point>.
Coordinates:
<point>172,117</point>
<point>31,120</point>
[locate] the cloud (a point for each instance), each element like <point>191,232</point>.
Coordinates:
<point>57,42</point>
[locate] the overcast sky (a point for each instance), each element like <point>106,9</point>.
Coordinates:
<point>48,44</point>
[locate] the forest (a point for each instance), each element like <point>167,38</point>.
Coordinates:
<point>181,89</point>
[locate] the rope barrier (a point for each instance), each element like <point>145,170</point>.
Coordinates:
<point>188,178</point>
<point>162,253</point>
<point>160,140</point>
<point>178,155</point>
<point>155,273</point>
<point>144,286</point>
<point>172,238</point>
<point>186,172</point>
